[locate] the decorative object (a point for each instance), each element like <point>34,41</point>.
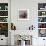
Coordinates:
<point>3,13</point>
<point>23,14</point>
<point>13,27</point>
<point>3,6</point>
<point>42,32</point>
<point>41,6</point>
<point>4,29</point>
<point>41,19</point>
<point>0,7</point>
<point>43,13</point>
<point>40,25</point>
<point>31,27</point>
<point>6,7</point>
<point>3,19</point>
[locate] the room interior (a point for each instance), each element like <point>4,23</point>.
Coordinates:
<point>22,22</point>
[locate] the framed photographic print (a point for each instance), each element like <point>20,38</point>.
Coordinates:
<point>23,14</point>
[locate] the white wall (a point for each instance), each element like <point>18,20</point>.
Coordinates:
<point>23,4</point>
<point>32,5</point>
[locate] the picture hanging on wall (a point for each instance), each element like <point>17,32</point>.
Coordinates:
<point>23,14</point>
